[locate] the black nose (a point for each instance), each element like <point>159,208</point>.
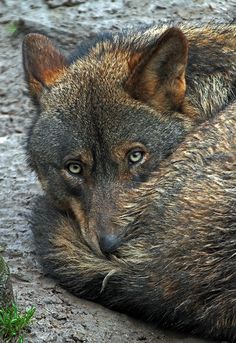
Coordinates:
<point>109,243</point>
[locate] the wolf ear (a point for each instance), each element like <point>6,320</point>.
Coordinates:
<point>43,63</point>
<point>159,76</point>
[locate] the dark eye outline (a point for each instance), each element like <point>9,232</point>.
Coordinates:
<point>141,160</point>
<point>71,162</point>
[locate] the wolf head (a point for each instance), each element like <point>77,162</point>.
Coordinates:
<point>104,122</point>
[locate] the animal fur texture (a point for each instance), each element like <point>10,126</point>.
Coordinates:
<point>138,169</point>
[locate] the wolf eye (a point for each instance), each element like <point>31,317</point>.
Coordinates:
<point>74,167</point>
<point>135,156</point>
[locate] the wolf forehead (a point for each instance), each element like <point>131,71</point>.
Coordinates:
<point>71,128</point>
<point>89,82</point>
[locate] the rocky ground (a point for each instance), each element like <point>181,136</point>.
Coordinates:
<point>61,317</point>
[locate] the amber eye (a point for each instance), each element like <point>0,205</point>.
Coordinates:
<point>74,167</point>
<point>135,156</point>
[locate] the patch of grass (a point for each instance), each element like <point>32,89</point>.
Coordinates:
<point>12,27</point>
<point>13,323</point>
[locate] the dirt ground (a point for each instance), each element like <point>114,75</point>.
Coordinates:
<point>61,317</point>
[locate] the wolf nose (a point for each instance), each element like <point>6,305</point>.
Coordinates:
<point>109,243</point>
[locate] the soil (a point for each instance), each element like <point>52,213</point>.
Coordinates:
<point>60,317</point>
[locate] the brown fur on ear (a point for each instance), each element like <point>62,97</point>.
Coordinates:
<point>43,63</point>
<point>159,76</point>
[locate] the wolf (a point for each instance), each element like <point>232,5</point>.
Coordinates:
<point>108,117</point>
